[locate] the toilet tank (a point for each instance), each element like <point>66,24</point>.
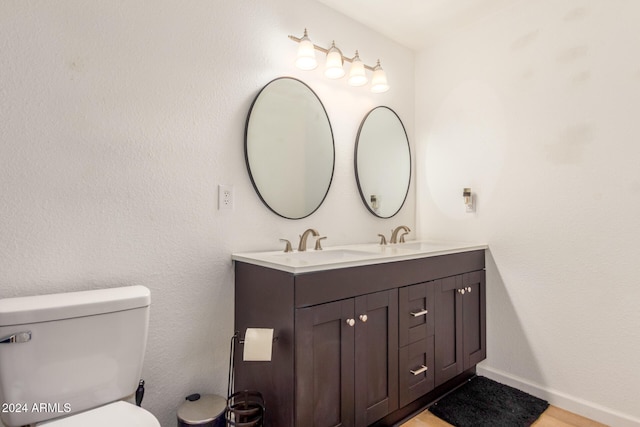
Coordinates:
<point>70,351</point>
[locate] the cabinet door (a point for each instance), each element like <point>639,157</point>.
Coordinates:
<point>448,329</point>
<point>324,365</point>
<point>474,318</point>
<point>376,356</point>
<point>460,324</point>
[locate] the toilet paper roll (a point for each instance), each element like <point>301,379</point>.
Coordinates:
<point>257,345</point>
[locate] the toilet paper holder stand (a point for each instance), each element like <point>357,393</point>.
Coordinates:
<point>245,407</point>
<point>236,339</point>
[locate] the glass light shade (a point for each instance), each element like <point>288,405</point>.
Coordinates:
<point>357,75</point>
<point>379,80</point>
<point>306,59</point>
<point>333,68</point>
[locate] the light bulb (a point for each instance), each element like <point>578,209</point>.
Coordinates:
<point>379,80</point>
<point>306,59</point>
<point>357,75</point>
<point>333,68</point>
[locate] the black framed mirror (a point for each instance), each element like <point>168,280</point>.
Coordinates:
<point>383,162</point>
<point>289,148</point>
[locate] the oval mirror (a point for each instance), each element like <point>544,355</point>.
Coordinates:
<point>383,162</point>
<point>289,148</point>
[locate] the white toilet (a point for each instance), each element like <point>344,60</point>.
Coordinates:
<point>67,360</point>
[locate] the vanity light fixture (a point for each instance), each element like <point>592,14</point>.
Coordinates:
<point>334,66</point>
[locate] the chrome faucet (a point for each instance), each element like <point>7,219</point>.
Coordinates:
<point>302,246</point>
<point>394,234</point>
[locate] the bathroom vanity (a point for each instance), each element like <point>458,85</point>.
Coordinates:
<point>366,334</point>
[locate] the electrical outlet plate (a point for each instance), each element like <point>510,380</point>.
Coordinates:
<point>225,197</point>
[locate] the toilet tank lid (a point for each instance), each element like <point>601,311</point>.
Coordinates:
<point>44,308</point>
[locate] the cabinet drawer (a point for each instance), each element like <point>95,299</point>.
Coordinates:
<point>416,370</point>
<point>416,311</point>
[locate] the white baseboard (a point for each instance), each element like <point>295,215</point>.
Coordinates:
<point>561,400</point>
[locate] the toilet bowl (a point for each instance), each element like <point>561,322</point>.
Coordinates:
<point>70,359</point>
<point>115,414</point>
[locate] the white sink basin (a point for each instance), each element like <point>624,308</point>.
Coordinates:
<point>385,249</point>
<point>419,246</point>
<point>403,248</point>
<point>330,255</point>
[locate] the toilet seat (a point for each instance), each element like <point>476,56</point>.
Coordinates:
<point>114,414</point>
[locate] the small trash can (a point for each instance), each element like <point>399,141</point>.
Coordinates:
<point>202,411</point>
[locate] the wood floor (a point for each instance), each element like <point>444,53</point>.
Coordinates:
<point>552,417</point>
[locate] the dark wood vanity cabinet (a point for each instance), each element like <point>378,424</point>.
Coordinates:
<point>361,345</point>
<point>325,355</point>
<point>460,324</point>
<point>346,359</point>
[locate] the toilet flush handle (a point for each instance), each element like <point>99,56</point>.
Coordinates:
<point>140,392</point>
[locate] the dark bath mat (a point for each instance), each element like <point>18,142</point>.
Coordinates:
<point>482,402</point>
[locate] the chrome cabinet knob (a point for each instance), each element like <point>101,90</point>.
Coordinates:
<point>462,291</point>
<point>363,317</point>
<point>351,322</point>
<point>469,289</point>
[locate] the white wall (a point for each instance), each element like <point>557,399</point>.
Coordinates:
<point>536,108</point>
<point>117,122</point>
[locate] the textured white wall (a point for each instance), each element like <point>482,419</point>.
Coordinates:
<point>117,122</point>
<point>536,108</point>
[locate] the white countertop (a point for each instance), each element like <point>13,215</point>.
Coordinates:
<point>353,255</point>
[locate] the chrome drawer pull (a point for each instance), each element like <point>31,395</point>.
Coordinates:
<point>419,371</point>
<point>16,338</point>
<point>419,313</point>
